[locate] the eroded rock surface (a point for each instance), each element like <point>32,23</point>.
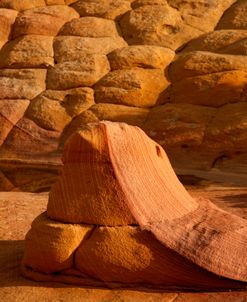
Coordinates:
<point>137,56</point>
<point>142,226</point>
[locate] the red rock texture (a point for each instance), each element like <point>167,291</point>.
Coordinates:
<point>153,55</point>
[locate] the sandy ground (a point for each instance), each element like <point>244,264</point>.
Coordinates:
<point>17,210</point>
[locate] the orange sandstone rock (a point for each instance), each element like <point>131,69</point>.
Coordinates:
<point>141,56</point>
<point>90,27</point>
<point>114,176</point>
<point>62,44</point>
<point>22,4</point>
<point>28,51</point>
<point>68,48</point>
<point>85,71</point>
<point>43,20</point>
<point>54,109</point>
<point>21,83</point>
<point>102,204</point>
<point>133,87</point>
<point>50,245</point>
<point>7,18</point>
<point>109,9</point>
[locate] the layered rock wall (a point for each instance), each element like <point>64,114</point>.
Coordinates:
<point>177,69</point>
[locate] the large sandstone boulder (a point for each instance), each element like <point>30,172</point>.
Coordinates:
<point>142,226</point>
<point>68,48</point>
<point>90,27</point>
<point>155,25</point>
<point>174,57</point>
<point>141,56</point>
<point>218,41</point>
<point>109,9</point>
<point>86,71</point>
<point>20,5</point>
<point>21,83</point>
<point>7,18</point>
<point>28,51</point>
<point>134,87</point>
<point>43,20</point>
<point>235,17</point>
<point>178,124</point>
<point>54,109</point>
<point>56,244</point>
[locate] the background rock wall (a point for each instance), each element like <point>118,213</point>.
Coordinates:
<point>175,68</point>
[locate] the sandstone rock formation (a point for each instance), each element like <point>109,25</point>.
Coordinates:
<point>153,64</point>
<point>118,214</point>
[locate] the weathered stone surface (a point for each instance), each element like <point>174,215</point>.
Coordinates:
<point>134,87</point>
<point>228,129</point>
<point>21,4</point>
<point>178,124</point>
<point>101,204</point>
<point>54,2</point>
<point>7,18</point>
<point>53,110</point>
<point>27,51</point>
<point>58,2</point>
<point>213,89</point>
<point>46,20</point>
<point>199,63</point>
<point>106,112</point>
<point>145,23</point>
<point>13,229</point>
<point>50,245</point>
<point>137,258</point>
<point>40,143</point>
<point>238,48</point>
<point>194,11</point>
<point>235,17</point>
<point>85,71</point>
<point>91,27</point>
<point>77,124</point>
<point>156,25</point>
<point>68,48</point>
<point>138,3</point>
<point>21,83</point>
<point>109,9</point>
<point>104,206</point>
<point>130,259</point>
<point>78,100</point>
<point>126,178</point>
<point>48,114</point>
<point>11,111</point>
<point>141,56</point>
<point>119,113</point>
<point>219,41</point>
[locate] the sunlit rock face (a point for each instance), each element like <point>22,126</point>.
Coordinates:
<point>153,64</point>
<point>118,213</point>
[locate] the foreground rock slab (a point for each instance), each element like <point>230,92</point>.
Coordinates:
<point>13,228</point>
<point>119,216</point>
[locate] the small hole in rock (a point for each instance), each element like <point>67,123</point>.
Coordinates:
<point>184,146</point>
<point>158,151</point>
